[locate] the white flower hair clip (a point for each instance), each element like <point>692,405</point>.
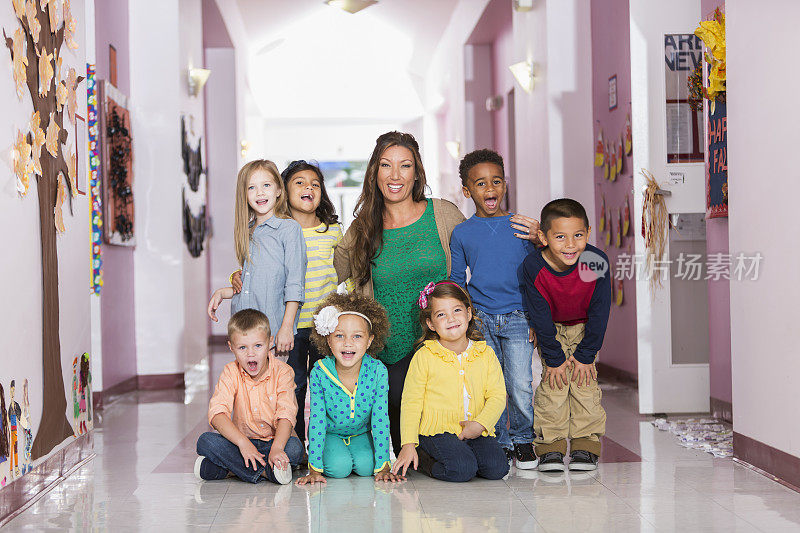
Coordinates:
<point>327,319</point>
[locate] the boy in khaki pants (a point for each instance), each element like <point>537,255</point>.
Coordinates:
<point>568,295</point>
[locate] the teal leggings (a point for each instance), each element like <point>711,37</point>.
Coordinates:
<point>343,456</point>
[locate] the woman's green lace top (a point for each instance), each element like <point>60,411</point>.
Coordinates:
<point>411,258</point>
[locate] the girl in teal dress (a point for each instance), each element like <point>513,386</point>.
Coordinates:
<point>349,426</point>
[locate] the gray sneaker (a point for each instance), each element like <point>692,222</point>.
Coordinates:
<point>582,461</point>
<point>551,462</point>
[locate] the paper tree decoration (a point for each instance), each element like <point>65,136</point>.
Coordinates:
<point>35,49</point>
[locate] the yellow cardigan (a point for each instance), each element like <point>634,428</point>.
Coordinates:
<point>433,400</point>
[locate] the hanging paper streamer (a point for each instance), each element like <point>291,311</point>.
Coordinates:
<point>94,182</point>
<point>612,171</point>
<point>610,227</point>
<point>598,150</point>
<point>628,135</point>
<point>618,233</point>
<point>620,293</point>
<point>626,217</point>
<point>603,212</point>
<point>620,156</point>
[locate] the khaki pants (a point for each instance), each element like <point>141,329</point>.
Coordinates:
<point>571,413</point>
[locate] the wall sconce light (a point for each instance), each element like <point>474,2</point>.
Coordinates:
<point>523,73</point>
<point>494,103</point>
<point>454,149</point>
<point>523,5</point>
<point>351,6</point>
<point>245,147</point>
<point>197,78</point>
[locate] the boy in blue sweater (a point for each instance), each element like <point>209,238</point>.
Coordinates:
<point>488,244</point>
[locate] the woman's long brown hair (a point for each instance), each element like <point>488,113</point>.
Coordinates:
<point>368,224</point>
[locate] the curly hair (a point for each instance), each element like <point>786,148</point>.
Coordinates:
<point>360,304</point>
<point>368,224</point>
<point>448,289</point>
<point>476,158</point>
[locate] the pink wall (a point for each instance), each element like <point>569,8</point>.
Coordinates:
<point>610,56</point>
<point>116,301</point>
<point>719,296</point>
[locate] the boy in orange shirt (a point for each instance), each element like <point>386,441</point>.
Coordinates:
<point>254,410</point>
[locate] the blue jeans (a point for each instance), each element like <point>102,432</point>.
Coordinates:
<point>462,460</point>
<point>507,334</point>
<point>226,455</point>
<point>302,358</point>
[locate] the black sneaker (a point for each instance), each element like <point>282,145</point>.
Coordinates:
<point>551,462</point>
<point>582,460</point>
<point>525,456</point>
<point>509,454</point>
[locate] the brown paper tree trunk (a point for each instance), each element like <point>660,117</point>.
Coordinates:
<point>54,426</point>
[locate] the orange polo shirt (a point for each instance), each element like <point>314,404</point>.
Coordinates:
<point>255,406</point>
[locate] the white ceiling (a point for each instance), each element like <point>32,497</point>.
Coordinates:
<point>310,60</point>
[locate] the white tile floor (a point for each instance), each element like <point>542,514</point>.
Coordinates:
<point>141,480</point>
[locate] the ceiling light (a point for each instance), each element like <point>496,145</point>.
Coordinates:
<point>351,6</point>
<point>454,149</point>
<point>197,78</point>
<point>523,5</point>
<point>523,73</point>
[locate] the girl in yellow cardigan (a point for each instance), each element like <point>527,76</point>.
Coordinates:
<point>454,394</point>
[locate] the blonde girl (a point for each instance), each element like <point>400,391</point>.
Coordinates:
<point>309,206</point>
<point>271,251</point>
<point>453,395</point>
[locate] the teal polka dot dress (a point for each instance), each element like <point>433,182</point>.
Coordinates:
<point>337,413</point>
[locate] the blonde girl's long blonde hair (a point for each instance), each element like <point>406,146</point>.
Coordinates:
<point>245,216</point>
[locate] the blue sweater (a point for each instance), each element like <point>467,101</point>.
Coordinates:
<point>494,257</point>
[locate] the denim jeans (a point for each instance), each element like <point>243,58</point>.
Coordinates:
<point>302,358</point>
<point>228,458</point>
<point>462,460</point>
<point>507,334</point>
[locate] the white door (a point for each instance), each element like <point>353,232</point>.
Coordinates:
<point>672,324</point>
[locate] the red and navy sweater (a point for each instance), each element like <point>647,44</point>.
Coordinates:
<point>581,294</point>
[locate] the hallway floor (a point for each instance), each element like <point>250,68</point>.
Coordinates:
<point>141,479</point>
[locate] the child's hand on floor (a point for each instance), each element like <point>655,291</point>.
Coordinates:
<point>278,458</point>
<point>407,456</point>
<point>312,477</point>
<point>236,281</point>
<point>387,475</point>
<point>470,430</point>
<point>251,454</point>
<point>581,372</point>
<point>557,376</point>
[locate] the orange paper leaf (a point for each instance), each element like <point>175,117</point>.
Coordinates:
<point>70,26</point>
<point>61,193</point>
<point>72,169</point>
<point>19,8</point>
<point>33,22</point>
<point>20,62</point>
<point>38,141</point>
<point>72,99</point>
<point>51,140</point>
<point>45,72</point>
<point>22,163</point>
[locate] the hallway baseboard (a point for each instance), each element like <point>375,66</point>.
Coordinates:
<point>772,462</point>
<point>142,382</point>
<point>23,492</point>
<point>722,410</point>
<point>611,373</point>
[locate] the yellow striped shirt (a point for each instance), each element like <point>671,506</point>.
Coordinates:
<point>321,277</point>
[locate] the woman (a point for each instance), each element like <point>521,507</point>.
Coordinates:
<point>398,242</point>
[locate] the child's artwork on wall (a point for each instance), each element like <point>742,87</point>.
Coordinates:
<point>82,394</point>
<point>626,216</point>
<point>620,298</point>
<point>5,445</point>
<point>602,212</point>
<point>194,189</point>
<point>628,135</point>
<point>117,167</point>
<point>618,232</point>
<point>599,150</point>
<point>44,155</point>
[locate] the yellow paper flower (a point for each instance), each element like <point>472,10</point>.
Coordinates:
<point>712,33</point>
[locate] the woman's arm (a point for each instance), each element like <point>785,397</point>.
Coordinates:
<point>341,257</point>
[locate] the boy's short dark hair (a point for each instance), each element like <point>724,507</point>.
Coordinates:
<point>248,320</point>
<point>477,157</point>
<point>561,208</point>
